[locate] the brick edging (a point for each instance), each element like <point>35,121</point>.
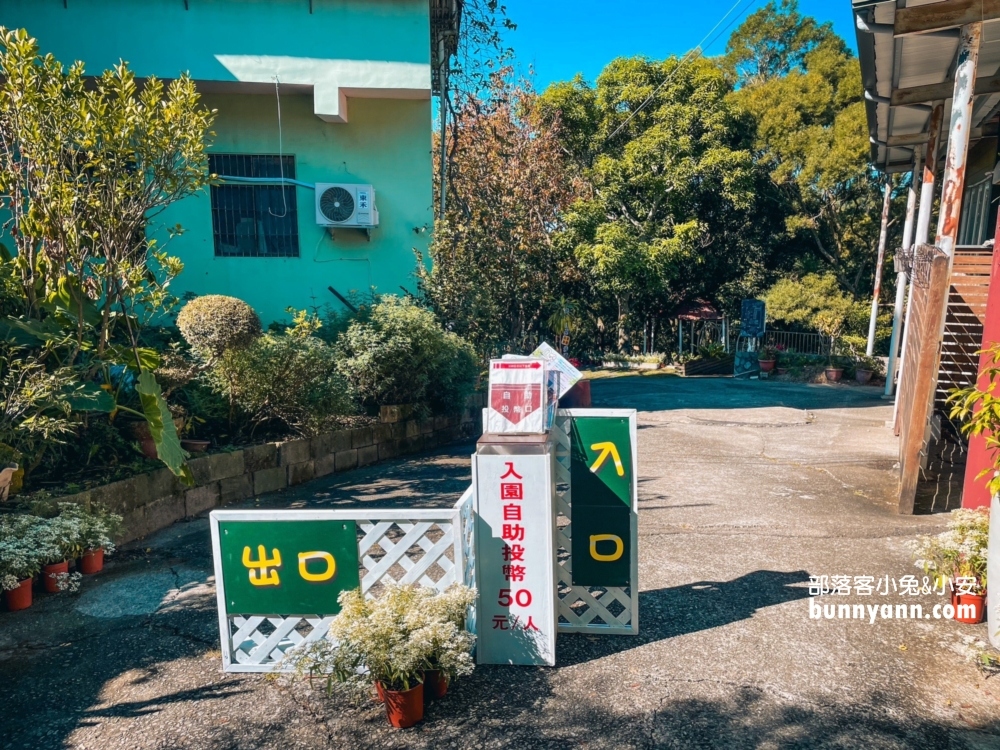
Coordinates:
<point>154,500</point>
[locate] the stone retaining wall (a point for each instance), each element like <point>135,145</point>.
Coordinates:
<point>152,501</point>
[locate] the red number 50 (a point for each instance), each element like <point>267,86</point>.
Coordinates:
<point>522,598</point>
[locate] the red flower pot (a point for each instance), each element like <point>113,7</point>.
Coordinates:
<point>435,684</point>
<point>92,561</point>
<point>833,374</point>
<point>766,365</point>
<point>50,573</point>
<point>404,708</point>
<point>976,601</point>
<point>19,598</point>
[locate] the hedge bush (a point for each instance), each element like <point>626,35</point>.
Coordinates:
<point>290,378</point>
<point>215,323</point>
<point>402,355</point>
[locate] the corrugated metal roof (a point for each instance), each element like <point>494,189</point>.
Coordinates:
<point>890,63</point>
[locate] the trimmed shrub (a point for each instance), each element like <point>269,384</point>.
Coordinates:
<point>402,355</point>
<point>215,323</point>
<point>288,378</point>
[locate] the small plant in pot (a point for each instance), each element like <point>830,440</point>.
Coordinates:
<point>391,641</point>
<point>97,529</point>
<point>19,560</point>
<point>830,322</point>
<point>959,555</point>
<point>451,646</point>
<point>866,367</point>
<point>767,357</point>
<point>60,540</point>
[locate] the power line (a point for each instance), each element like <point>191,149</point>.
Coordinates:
<point>693,54</point>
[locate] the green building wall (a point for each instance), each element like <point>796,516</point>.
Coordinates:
<point>355,106</point>
<point>386,143</point>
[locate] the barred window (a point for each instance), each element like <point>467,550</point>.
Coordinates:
<point>254,221</point>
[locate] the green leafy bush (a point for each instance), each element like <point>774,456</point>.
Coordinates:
<point>290,378</point>
<point>402,355</point>
<point>215,323</point>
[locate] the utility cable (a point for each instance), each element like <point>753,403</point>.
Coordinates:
<point>692,55</point>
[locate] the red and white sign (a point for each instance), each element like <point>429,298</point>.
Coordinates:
<point>517,396</point>
<point>515,559</point>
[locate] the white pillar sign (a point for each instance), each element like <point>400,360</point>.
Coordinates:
<point>515,560</point>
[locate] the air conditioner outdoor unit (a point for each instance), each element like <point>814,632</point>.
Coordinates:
<point>345,205</point>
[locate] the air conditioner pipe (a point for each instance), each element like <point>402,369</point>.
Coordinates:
<point>267,181</point>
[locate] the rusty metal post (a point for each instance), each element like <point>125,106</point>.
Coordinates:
<point>922,228</point>
<point>879,262</point>
<point>930,174</point>
<point>901,278</point>
<point>953,183</point>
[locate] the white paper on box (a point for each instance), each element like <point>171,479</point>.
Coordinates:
<point>515,560</point>
<point>568,375</point>
<point>517,398</point>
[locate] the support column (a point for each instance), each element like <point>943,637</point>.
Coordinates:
<point>953,183</point>
<point>922,228</point>
<point>879,262</point>
<point>901,278</point>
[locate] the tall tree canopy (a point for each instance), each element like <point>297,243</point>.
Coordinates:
<point>802,87</point>
<point>675,209</point>
<point>496,271</point>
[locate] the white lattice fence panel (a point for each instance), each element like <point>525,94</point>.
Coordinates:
<point>434,550</point>
<point>582,609</point>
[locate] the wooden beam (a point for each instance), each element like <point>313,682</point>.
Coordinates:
<point>944,15</point>
<point>936,91</point>
<point>918,139</point>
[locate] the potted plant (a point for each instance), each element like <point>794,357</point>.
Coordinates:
<point>19,560</point>
<point>450,653</point>
<point>97,529</point>
<point>959,555</point>
<point>865,367</point>
<point>391,641</point>
<point>830,322</point>
<point>767,357</point>
<point>60,540</point>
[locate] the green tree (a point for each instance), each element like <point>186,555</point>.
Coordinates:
<point>85,166</point>
<point>496,272</point>
<point>675,187</point>
<point>802,86</point>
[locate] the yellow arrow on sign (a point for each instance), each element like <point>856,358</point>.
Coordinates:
<point>607,449</point>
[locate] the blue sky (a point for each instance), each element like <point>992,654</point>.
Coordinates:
<point>560,38</point>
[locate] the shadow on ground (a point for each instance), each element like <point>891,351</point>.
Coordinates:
<point>668,613</point>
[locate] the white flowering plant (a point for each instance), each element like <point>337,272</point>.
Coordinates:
<point>959,552</point>
<point>392,639</point>
<point>21,550</point>
<point>28,542</point>
<point>94,528</point>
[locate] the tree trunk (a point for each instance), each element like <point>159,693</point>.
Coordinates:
<point>623,337</point>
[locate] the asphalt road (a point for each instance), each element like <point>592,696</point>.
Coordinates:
<point>746,489</point>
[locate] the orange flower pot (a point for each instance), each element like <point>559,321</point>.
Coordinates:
<point>766,365</point>
<point>50,575</point>
<point>92,561</point>
<point>19,598</point>
<point>435,684</point>
<point>977,601</point>
<point>404,708</point>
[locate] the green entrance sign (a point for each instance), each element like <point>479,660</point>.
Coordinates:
<point>602,480</point>
<point>287,567</point>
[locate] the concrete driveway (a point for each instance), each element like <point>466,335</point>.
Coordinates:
<point>746,489</point>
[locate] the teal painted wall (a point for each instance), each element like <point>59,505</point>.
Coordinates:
<point>160,37</point>
<point>387,143</point>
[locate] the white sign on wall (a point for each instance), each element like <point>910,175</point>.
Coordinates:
<point>515,559</point>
